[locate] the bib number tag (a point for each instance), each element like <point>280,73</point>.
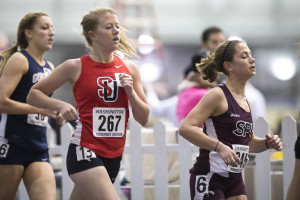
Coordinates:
<point>3,149</point>
<point>202,187</point>
<point>242,152</point>
<point>84,153</point>
<point>37,119</point>
<point>109,122</point>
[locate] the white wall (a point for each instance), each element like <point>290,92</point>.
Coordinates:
<point>179,21</point>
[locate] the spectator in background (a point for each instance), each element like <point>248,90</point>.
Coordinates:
<point>165,108</point>
<point>168,108</point>
<point>188,98</point>
<point>194,87</point>
<point>211,38</point>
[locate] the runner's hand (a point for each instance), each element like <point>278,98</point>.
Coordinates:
<point>127,83</point>
<point>60,119</point>
<point>274,142</point>
<point>68,112</point>
<point>48,113</point>
<point>228,155</point>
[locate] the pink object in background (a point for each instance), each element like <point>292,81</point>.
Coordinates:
<point>187,100</point>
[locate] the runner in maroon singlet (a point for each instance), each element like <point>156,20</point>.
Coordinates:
<point>227,136</point>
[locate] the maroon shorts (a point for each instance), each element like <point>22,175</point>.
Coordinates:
<point>212,186</point>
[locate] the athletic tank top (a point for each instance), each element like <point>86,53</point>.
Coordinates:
<point>235,126</point>
<point>102,105</point>
<point>29,130</point>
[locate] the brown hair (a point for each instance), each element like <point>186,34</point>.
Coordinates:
<point>90,23</point>
<point>207,32</point>
<point>27,22</point>
<point>212,66</point>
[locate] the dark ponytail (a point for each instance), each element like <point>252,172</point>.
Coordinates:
<point>207,68</point>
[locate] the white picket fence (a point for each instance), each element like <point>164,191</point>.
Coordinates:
<point>289,135</point>
<point>184,149</point>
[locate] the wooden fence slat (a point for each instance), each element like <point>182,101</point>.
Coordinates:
<point>161,164</point>
<point>262,171</point>
<point>67,184</point>
<point>289,136</point>
<point>136,157</point>
<point>185,163</point>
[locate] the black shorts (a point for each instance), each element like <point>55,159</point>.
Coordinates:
<point>112,165</point>
<point>16,155</point>
<point>297,148</point>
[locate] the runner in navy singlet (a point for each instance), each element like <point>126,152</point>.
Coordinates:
<point>23,143</point>
<point>227,136</point>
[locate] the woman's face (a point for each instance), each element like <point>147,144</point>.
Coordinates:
<point>107,33</point>
<point>214,40</point>
<point>243,64</point>
<point>42,33</point>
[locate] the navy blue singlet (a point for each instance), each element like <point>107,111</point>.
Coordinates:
<point>28,131</point>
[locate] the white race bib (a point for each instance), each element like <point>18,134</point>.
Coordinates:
<point>37,119</point>
<point>109,122</point>
<point>3,149</point>
<point>84,153</point>
<point>202,187</point>
<point>242,152</point>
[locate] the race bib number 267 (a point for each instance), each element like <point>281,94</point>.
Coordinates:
<point>109,122</point>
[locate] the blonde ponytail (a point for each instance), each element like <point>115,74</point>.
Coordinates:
<point>5,55</point>
<point>125,45</point>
